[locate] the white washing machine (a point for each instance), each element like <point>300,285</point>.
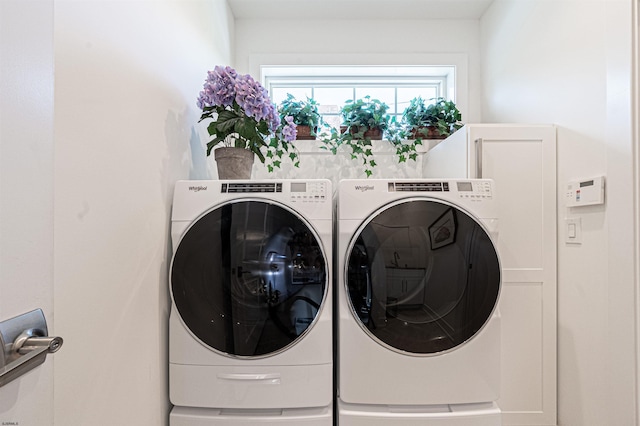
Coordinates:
<point>250,328</point>
<point>418,286</point>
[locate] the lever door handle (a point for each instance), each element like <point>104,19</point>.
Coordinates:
<point>25,345</point>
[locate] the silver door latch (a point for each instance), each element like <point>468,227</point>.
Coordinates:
<point>25,344</point>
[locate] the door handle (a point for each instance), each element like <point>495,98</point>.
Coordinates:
<point>25,345</point>
<point>478,146</point>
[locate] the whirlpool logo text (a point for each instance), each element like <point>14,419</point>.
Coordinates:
<point>364,188</point>
<point>197,188</point>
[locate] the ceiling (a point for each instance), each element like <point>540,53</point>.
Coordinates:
<point>358,9</point>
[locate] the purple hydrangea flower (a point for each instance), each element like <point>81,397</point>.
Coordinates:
<point>225,90</point>
<point>253,98</point>
<point>289,131</point>
<point>219,87</point>
<point>223,86</point>
<point>273,118</point>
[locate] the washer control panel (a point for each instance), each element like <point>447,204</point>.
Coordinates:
<point>309,192</point>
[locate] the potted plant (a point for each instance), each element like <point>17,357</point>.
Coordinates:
<point>434,120</point>
<point>305,115</point>
<point>244,122</point>
<point>363,120</point>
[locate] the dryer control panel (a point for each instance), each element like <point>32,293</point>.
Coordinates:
<point>468,189</point>
<point>474,190</point>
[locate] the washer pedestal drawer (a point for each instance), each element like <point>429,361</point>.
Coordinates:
<point>189,416</point>
<point>251,387</point>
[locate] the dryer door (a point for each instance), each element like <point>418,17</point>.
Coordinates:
<point>422,276</point>
<point>248,278</point>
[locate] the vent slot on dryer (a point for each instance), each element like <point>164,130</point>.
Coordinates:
<point>418,186</point>
<point>251,187</point>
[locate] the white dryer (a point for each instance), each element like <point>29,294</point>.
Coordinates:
<point>250,328</point>
<point>418,287</point>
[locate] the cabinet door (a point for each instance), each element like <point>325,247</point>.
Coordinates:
<point>522,162</point>
<point>406,285</point>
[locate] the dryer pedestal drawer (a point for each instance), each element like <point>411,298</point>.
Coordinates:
<point>487,414</point>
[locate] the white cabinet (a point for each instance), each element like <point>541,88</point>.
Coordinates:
<point>521,159</point>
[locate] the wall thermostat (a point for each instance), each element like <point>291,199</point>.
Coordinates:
<point>586,192</point>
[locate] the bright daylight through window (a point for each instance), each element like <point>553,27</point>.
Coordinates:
<point>331,86</point>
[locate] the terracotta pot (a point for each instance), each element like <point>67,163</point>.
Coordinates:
<point>373,134</point>
<point>304,133</point>
<point>428,132</point>
<point>234,163</point>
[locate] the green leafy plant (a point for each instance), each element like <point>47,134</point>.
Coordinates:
<point>406,149</point>
<point>439,114</point>
<point>359,119</point>
<point>304,113</point>
<point>362,116</point>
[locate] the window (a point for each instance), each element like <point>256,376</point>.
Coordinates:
<point>331,86</point>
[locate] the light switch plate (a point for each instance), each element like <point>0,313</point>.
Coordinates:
<point>573,230</point>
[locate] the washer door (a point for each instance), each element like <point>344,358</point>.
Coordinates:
<point>248,278</point>
<point>423,276</point>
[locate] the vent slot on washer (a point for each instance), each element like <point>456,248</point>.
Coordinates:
<point>251,187</point>
<point>418,186</point>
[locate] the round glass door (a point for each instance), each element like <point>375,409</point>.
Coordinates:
<point>423,277</point>
<point>248,278</point>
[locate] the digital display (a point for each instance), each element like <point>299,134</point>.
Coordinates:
<point>298,187</point>
<point>586,183</point>
<point>464,186</point>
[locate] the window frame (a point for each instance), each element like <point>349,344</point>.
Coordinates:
<point>440,78</point>
<point>458,88</point>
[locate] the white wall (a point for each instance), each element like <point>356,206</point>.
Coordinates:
<point>568,62</point>
<point>365,42</point>
<point>127,75</point>
<point>26,190</point>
